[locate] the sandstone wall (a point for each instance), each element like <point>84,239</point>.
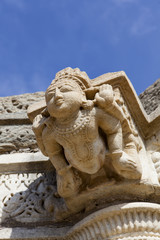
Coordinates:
<point>150,98</point>
<point>15,128</point>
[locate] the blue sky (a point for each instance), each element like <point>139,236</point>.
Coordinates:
<point>40,37</point>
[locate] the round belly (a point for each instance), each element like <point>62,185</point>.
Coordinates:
<point>87,157</point>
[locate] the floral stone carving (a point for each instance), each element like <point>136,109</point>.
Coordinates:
<point>94,133</point>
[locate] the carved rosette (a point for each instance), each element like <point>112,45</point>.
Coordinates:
<point>138,221</point>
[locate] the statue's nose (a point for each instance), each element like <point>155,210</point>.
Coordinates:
<point>57,93</point>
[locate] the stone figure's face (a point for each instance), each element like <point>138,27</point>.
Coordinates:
<point>65,100</point>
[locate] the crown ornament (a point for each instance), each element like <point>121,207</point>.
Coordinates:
<point>70,74</point>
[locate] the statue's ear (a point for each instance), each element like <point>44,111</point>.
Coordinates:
<point>87,104</point>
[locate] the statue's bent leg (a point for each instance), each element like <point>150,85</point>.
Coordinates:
<point>125,161</point>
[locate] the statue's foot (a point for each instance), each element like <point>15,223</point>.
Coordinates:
<point>126,166</point>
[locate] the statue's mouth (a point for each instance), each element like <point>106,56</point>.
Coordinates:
<point>59,101</point>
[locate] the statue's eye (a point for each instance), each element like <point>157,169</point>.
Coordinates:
<point>66,89</point>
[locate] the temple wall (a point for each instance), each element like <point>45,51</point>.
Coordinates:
<point>27,179</point>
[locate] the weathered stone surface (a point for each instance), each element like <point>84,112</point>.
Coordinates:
<point>16,133</point>
<point>19,103</point>
<point>150,98</point>
<point>17,138</point>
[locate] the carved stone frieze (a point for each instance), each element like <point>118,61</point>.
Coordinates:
<point>98,176</point>
<point>126,221</point>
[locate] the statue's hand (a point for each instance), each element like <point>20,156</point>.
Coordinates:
<point>68,182</point>
<point>38,124</point>
<point>105,96</point>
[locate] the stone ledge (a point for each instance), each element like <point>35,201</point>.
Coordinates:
<point>24,162</point>
<point>14,119</point>
<point>37,233</point>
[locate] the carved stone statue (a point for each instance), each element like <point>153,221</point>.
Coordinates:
<point>100,176</point>
<point>85,133</point>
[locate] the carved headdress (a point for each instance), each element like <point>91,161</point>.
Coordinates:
<point>69,76</point>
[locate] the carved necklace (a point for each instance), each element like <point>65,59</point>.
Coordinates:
<point>75,126</point>
<point>67,131</point>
